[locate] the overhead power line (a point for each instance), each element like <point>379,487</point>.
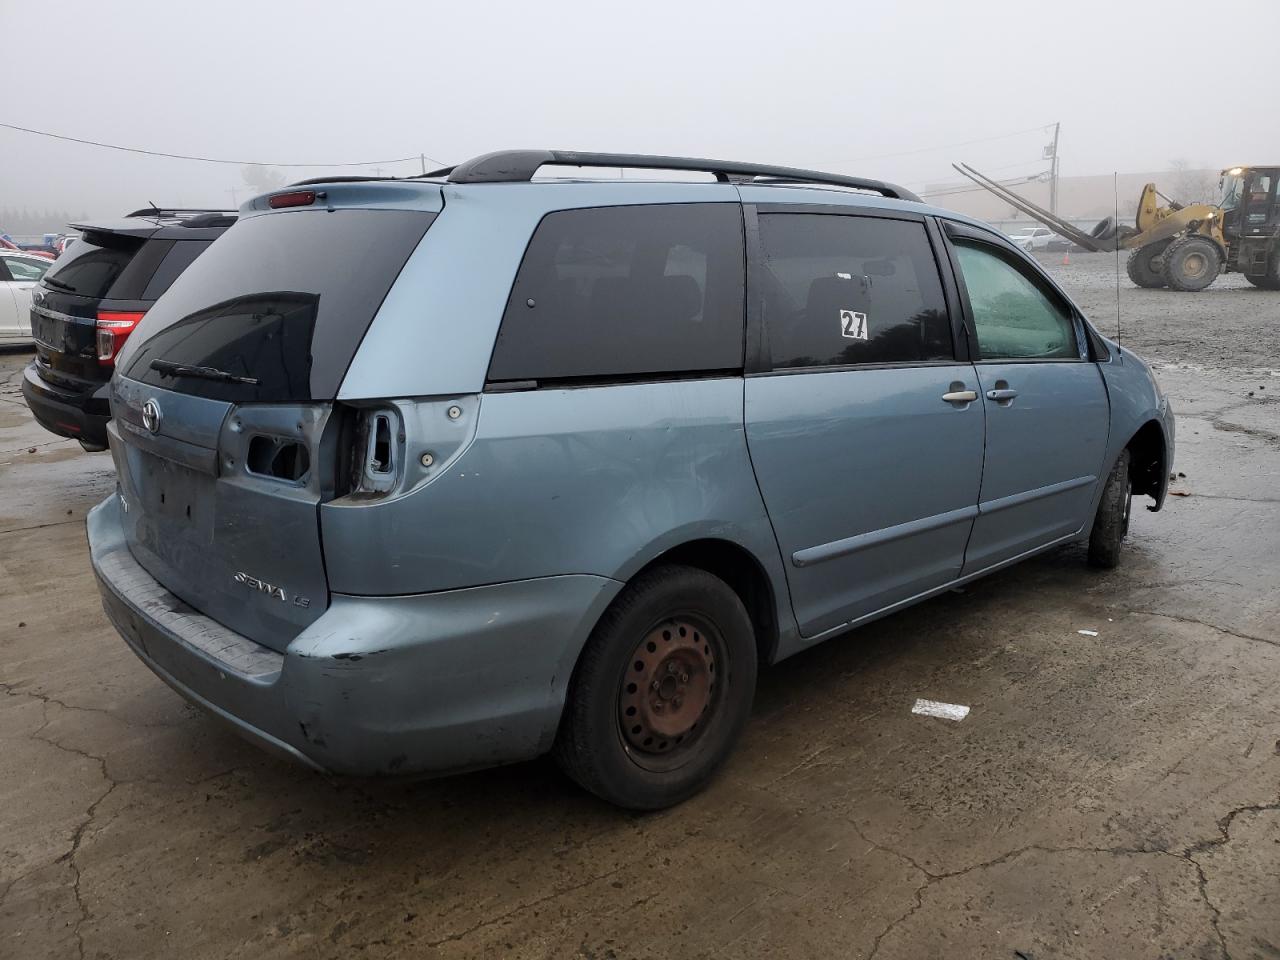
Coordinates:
<point>185,156</point>
<point>948,146</point>
<point>947,190</point>
<point>919,185</point>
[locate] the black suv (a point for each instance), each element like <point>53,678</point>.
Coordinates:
<point>89,302</point>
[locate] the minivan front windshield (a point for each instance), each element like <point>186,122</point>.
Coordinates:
<point>280,301</point>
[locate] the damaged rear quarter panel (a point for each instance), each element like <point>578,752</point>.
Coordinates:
<point>438,682</point>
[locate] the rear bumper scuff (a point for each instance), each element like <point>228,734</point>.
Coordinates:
<point>424,684</point>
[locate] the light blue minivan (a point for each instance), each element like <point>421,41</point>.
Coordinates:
<point>419,475</point>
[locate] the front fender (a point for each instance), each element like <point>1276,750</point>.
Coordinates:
<point>1136,401</point>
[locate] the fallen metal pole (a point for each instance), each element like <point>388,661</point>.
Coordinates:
<point>1068,230</point>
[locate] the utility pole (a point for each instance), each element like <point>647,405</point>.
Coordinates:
<point>235,204</point>
<point>1052,151</point>
<point>422,157</point>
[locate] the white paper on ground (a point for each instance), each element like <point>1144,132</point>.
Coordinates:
<point>946,711</point>
<point>1087,633</point>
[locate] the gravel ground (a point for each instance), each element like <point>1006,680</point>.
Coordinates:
<point>1232,325</point>
<point>1108,796</point>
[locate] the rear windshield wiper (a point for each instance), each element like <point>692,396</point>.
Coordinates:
<point>54,281</point>
<point>167,368</point>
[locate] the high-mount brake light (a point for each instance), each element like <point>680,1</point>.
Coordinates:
<point>113,328</point>
<point>299,198</point>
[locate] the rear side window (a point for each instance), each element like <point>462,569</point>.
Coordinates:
<point>1013,318</point>
<point>180,256</point>
<point>626,291</point>
<point>283,299</point>
<point>92,264</point>
<point>842,290</point>
<point>22,268</point>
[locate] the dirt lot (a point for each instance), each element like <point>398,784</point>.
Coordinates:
<point>1114,795</point>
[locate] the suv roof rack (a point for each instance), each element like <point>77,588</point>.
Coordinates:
<point>515,166</point>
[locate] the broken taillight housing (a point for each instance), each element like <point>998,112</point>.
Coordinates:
<point>372,462</point>
<point>113,329</point>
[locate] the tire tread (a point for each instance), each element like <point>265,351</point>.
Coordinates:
<point>581,739</point>
<point>1109,524</point>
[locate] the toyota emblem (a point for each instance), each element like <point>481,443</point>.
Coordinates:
<point>151,416</point>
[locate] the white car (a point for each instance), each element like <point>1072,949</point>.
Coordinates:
<point>1032,238</point>
<point>19,272</point>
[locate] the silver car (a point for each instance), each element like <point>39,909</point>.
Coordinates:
<point>429,474</point>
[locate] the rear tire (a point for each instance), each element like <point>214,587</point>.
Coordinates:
<point>1141,270</point>
<point>661,692</point>
<point>1191,264</point>
<point>1111,522</point>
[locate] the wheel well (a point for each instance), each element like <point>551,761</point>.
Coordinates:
<point>1147,460</point>
<point>743,573</point>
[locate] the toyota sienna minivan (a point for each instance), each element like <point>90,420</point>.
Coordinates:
<point>437,473</point>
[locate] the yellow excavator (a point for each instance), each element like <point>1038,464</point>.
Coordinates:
<point>1183,246</point>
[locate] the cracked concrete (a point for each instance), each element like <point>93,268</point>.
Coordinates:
<point>1108,796</point>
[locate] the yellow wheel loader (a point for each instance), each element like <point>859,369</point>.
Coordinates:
<point>1183,247</point>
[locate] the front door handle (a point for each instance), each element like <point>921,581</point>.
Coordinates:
<point>1002,395</point>
<point>960,396</point>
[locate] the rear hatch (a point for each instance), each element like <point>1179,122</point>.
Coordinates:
<point>90,300</point>
<point>226,437</point>
<point>104,270</point>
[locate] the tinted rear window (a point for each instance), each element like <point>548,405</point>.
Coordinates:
<point>626,291</point>
<point>282,298</point>
<point>91,265</point>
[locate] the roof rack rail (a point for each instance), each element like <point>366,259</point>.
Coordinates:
<point>515,166</point>
<point>175,213</point>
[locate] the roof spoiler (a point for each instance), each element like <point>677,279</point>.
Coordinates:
<point>177,213</point>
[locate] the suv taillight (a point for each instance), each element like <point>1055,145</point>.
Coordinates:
<point>114,327</point>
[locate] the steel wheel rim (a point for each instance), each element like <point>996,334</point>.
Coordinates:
<point>1195,264</point>
<point>670,689</point>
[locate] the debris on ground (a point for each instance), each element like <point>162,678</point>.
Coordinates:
<point>943,711</point>
<point>1087,633</point>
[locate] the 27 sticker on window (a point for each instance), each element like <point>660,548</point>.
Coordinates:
<point>853,325</point>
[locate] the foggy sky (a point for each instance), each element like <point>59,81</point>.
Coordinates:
<point>838,86</point>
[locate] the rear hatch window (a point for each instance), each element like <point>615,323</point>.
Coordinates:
<point>93,265</point>
<point>280,303</point>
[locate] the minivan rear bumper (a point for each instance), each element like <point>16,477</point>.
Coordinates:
<point>424,684</point>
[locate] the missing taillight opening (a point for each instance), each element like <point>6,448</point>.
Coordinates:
<point>374,466</point>
<point>380,456</point>
<point>112,329</point>
<point>278,458</point>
